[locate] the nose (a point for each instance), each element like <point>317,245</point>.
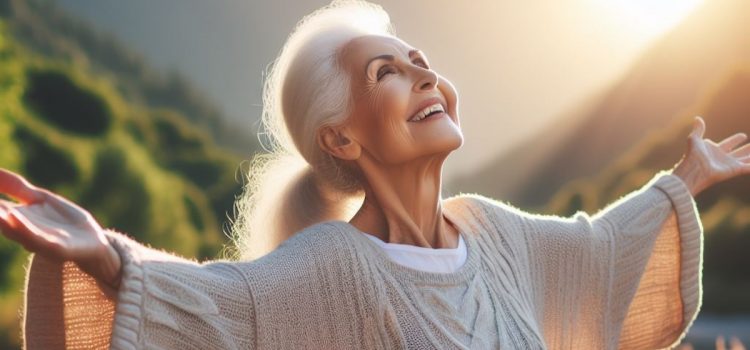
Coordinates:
<point>428,79</point>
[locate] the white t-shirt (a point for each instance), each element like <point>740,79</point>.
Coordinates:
<point>442,260</point>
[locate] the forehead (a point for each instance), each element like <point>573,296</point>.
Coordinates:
<point>362,48</point>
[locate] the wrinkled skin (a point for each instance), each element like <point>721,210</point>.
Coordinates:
<point>401,160</point>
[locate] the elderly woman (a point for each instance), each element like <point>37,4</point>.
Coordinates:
<point>347,242</point>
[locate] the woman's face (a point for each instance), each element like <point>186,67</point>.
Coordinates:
<point>393,86</point>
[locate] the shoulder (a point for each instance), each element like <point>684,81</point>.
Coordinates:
<point>487,219</point>
<point>481,205</point>
<point>326,246</point>
<point>323,238</point>
<point>496,213</point>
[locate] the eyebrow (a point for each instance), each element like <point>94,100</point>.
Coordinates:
<point>388,57</point>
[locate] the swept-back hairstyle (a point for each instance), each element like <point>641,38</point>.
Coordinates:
<point>297,184</point>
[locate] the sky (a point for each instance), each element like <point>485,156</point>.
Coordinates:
<point>517,65</point>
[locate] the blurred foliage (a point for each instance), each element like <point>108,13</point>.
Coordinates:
<point>43,163</point>
<point>45,28</point>
<point>725,208</point>
<point>83,117</point>
<point>54,97</point>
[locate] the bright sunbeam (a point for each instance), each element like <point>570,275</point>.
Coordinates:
<point>651,18</point>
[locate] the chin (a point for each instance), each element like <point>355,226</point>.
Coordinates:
<point>449,143</point>
<point>455,140</point>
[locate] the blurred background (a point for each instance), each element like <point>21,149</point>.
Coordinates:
<point>144,111</point>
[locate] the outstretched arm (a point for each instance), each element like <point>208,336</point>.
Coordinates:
<point>88,287</point>
<point>631,273</point>
<point>707,162</point>
<point>56,228</point>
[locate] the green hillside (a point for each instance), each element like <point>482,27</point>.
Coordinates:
<point>140,167</point>
<point>45,28</point>
<point>725,208</point>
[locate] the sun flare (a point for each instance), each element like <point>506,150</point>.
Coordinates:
<point>652,18</point>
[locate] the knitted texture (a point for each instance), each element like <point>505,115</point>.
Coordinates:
<point>625,278</point>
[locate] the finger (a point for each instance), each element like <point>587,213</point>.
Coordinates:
<point>65,207</point>
<point>7,204</point>
<point>699,128</point>
<point>6,227</point>
<point>743,151</point>
<point>4,219</point>
<point>736,344</point>
<point>17,187</point>
<point>733,141</point>
<point>32,237</point>
<point>10,229</point>
<point>720,344</point>
<point>46,219</point>
<point>14,229</point>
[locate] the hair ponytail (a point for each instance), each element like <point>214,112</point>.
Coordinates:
<point>296,184</point>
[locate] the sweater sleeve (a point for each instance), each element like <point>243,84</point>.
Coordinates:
<point>164,302</point>
<point>627,278</point>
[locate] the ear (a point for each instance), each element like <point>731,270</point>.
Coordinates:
<point>337,143</point>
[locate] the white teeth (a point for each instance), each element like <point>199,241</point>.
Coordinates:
<point>423,113</point>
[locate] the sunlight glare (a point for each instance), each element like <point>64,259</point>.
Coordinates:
<point>652,18</point>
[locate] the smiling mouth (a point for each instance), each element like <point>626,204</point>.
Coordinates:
<point>429,111</point>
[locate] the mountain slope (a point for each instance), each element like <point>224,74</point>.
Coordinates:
<point>48,30</point>
<point>667,79</point>
<point>725,208</point>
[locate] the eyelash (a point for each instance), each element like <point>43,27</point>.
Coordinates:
<point>379,76</point>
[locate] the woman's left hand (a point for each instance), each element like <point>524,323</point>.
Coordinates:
<point>707,163</point>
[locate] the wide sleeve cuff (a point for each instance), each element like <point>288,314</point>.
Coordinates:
<point>64,308</point>
<point>163,302</point>
<point>691,246</point>
<point>169,302</point>
<point>669,294</point>
<point>129,310</point>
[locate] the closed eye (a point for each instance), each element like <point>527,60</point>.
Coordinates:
<point>385,70</point>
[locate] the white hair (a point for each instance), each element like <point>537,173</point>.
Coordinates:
<point>297,184</point>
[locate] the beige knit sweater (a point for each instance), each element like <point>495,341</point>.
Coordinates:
<point>628,277</point>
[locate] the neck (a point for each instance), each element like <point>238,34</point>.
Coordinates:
<point>403,205</point>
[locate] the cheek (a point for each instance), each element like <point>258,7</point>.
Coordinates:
<point>387,136</point>
<point>392,115</point>
<point>385,131</point>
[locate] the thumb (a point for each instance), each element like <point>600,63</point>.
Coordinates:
<point>699,128</point>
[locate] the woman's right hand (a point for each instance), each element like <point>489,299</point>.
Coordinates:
<point>52,226</point>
